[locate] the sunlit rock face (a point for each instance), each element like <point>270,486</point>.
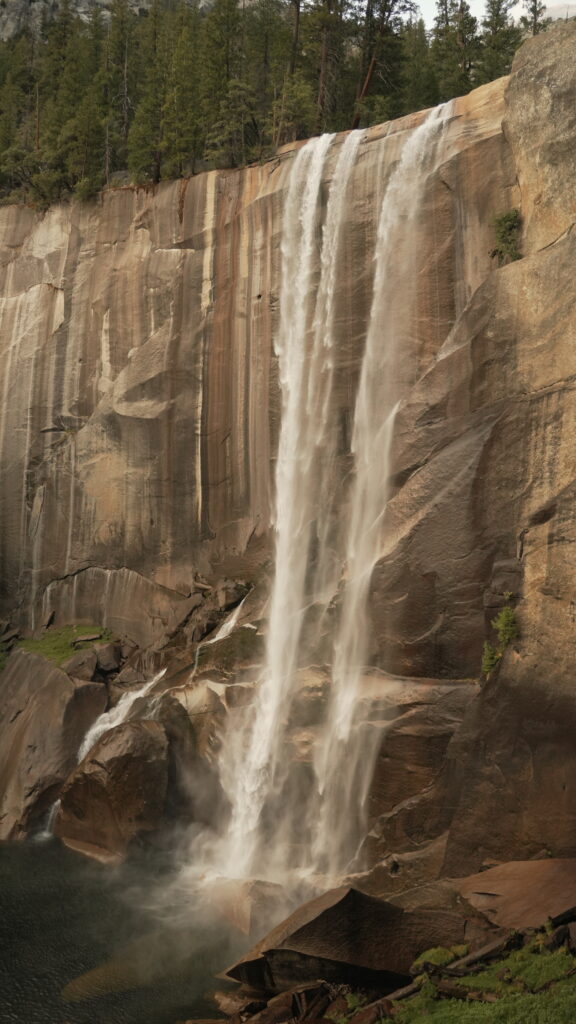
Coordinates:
<point>140,406</point>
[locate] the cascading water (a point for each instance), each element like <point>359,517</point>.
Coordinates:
<point>345,758</point>
<point>273,834</point>
<point>253,768</point>
<point>116,716</point>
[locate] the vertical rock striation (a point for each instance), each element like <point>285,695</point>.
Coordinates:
<point>140,411</point>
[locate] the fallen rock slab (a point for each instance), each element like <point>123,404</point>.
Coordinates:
<point>346,936</point>
<point>523,894</point>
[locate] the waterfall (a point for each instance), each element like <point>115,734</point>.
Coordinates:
<point>345,759</point>
<point>254,769</point>
<point>280,828</point>
<point>116,716</point>
<point>48,830</point>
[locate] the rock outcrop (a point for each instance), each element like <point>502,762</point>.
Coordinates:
<point>117,792</point>
<point>45,715</point>
<point>17,14</point>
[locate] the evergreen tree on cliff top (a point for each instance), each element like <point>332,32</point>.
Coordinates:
<point>455,48</point>
<point>158,91</point>
<point>534,22</point>
<point>146,136</point>
<point>500,40</point>
<point>419,80</point>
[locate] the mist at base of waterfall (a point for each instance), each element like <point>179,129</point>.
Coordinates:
<point>62,917</point>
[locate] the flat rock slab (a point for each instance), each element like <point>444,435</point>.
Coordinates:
<point>523,894</point>
<point>348,934</point>
<point>86,638</point>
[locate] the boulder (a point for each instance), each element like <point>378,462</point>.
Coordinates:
<point>81,665</point>
<point>44,719</point>
<point>249,905</point>
<point>109,657</point>
<point>194,789</point>
<point>117,793</point>
<point>348,936</point>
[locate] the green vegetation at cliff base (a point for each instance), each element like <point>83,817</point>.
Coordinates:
<point>529,986</point>
<point>59,644</point>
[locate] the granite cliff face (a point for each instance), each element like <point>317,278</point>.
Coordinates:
<point>140,407</point>
<point>139,426</point>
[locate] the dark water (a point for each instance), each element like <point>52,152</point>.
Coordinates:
<point>62,916</point>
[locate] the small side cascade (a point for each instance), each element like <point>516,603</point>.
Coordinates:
<point>47,832</point>
<point>117,715</point>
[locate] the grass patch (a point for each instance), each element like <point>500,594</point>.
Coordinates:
<point>556,1006</point>
<point>531,984</point>
<point>440,956</point>
<point>530,967</point>
<point>58,644</point>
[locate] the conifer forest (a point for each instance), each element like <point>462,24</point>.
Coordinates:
<point>178,88</point>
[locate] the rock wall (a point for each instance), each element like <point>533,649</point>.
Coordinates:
<point>140,414</point>
<point>140,406</point>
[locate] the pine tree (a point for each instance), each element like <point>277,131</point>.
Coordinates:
<point>420,87</point>
<point>500,40</point>
<point>183,134</point>
<point>222,49</point>
<point>455,48</point>
<point>119,76</point>
<point>267,51</point>
<point>293,111</point>
<point>146,135</point>
<point>235,137</point>
<point>380,69</point>
<point>534,22</point>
